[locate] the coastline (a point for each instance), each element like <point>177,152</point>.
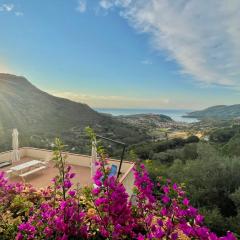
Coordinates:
<point>178,115</point>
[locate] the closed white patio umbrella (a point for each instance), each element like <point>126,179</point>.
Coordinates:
<point>94,159</point>
<point>15,145</point>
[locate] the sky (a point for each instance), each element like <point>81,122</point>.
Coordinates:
<point>156,54</point>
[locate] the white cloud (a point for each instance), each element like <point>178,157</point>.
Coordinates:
<point>106,4</point>
<point>6,7</point>
<point>19,14</point>
<point>201,36</point>
<point>99,101</point>
<point>82,6</point>
<point>147,62</point>
<point>9,7</point>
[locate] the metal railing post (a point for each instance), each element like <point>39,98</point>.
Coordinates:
<point>123,151</point>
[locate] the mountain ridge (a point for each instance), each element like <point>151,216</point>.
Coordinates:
<point>218,111</point>
<point>35,112</point>
<point>20,96</point>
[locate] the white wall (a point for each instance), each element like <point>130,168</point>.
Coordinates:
<point>75,159</point>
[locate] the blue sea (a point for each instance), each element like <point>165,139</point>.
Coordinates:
<point>176,115</point>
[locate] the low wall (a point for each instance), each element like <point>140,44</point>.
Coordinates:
<point>75,159</point>
<point>128,180</point>
<point>5,156</point>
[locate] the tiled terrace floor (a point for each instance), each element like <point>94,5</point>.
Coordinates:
<point>43,178</point>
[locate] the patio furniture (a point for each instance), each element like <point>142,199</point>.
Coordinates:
<point>32,171</point>
<point>45,162</point>
<point>15,145</point>
<point>8,173</point>
<point>27,168</point>
<point>113,171</point>
<point>5,164</point>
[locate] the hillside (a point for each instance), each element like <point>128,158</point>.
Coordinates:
<point>143,120</point>
<point>36,114</point>
<point>219,112</point>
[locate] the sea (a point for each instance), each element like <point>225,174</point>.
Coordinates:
<point>175,114</point>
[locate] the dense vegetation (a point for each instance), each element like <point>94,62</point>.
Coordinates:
<point>62,212</point>
<point>208,170</point>
<point>164,151</point>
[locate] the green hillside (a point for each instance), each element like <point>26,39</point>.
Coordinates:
<point>39,116</point>
<point>219,112</point>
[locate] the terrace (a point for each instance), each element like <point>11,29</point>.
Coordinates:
<point>81,166</point>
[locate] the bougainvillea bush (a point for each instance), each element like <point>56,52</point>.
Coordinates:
<point>62,211</point>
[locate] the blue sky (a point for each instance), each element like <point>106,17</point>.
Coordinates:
<point>125,53</point>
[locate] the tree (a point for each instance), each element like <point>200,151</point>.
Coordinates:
<point>190,151</point>
<point>222,135</point>
<point>232,147</point>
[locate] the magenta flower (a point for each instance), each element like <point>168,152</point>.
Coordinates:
<point>72,193</point>
<point>109,212</point>
<point>19,236</point>
<point>140,237</point>
<point>185,202</point>
<point>199,219</point>
<point>72,175</point>
<point>166,189</point>
<point>96,191</point>
<point>67,183</point>
<point>165,199</point>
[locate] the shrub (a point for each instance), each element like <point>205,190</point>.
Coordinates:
<point>159,211</point>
